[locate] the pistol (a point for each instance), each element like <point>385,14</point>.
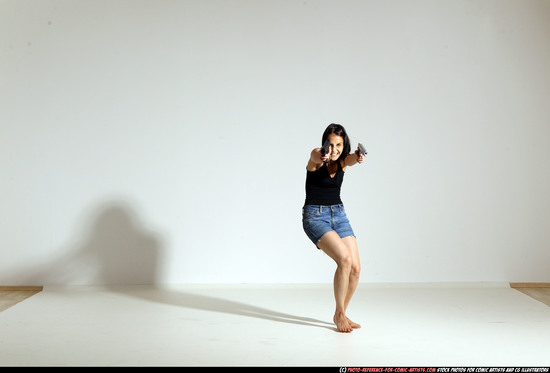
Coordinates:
<point>325,148</point>
<point>361,148</point>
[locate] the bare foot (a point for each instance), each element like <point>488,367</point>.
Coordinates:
<point>354,325</point>
<point>342,322</point>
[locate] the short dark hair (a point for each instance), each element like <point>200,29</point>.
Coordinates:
<point>338,130</point>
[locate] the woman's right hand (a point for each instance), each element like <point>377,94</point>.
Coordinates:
<point>324,158</point>
<point>317,157</point>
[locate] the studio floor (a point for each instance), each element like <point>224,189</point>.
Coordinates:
<point>275,325</point>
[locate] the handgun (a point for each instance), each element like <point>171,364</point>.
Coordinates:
<point>362,150</point>
<point>325,148</point>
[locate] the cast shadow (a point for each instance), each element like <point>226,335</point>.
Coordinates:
<point>209,303</point>
<point>115,247</point>
<point>118,249</point>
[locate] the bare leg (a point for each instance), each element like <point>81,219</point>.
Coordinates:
<point>335,248</point>
<point>351,243</point>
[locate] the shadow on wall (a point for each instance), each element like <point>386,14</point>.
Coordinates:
<point>116,249</point>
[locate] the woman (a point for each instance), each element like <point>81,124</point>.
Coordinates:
<point>325,221</point>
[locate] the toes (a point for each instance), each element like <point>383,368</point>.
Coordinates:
<point>346,329</point>
<point>343,323</point>
<point>344,326</point>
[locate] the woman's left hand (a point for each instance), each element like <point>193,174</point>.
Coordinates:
<point>360,157</point>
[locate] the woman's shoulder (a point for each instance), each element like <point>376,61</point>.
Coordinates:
<point>312,167</point>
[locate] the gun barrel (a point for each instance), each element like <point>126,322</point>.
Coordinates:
<point>362,149</point>
<point>325,148</point>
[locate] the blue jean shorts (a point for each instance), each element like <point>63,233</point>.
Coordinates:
<point>318,220</point>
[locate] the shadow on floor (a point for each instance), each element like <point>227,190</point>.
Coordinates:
<point>215,304</point>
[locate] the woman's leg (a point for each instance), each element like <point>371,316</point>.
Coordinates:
<point>336,248</point>
<point>351,243</point>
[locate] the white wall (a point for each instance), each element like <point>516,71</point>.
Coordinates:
<point>166,141</point>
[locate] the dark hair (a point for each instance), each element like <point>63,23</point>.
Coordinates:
<point>338,130</point>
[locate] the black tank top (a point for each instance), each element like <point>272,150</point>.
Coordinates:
<point>321,189</point>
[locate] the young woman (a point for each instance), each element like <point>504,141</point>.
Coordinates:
<point>324,218</point>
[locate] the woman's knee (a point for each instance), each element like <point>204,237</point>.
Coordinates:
<point>351,244</point>
<point>355,269</point>
<point>345,262</point>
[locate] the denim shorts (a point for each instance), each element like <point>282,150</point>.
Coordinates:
<point>318,220</point>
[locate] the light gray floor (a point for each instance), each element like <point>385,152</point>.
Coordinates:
<point>275,325</point>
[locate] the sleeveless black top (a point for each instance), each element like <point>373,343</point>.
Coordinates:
<point>321,189</point>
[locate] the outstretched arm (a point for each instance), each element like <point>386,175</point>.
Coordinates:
<point>316,159</point>
<point>354,158</point>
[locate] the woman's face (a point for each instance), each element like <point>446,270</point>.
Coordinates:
<point>336,146</point>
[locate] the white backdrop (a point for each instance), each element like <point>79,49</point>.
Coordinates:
<point>166,141</point>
